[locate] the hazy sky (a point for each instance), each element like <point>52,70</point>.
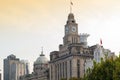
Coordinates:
<point>27,25</point>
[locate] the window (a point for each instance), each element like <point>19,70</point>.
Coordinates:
<point>66,68</point>
<point>78,68</point>
<point>63,69</point>
<point>51,73</point>
<point>70,69</point>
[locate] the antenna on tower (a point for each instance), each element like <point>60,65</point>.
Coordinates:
<point>71,4</point>
<point>41,52</point>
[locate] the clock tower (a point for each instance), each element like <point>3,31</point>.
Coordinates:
<point>71,31</point>
<point>74,56</point>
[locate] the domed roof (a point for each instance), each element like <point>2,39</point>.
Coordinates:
<point>71,16</point>
<point>41,59</point>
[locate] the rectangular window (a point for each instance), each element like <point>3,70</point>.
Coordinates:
<point>51,73</point>
<point>58,71</point>
<point>66,68</point>
<point>70,69</point>
<point>63,69</point>
<point>78,68</point>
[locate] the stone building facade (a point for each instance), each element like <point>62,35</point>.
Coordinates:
<point>70,60</point>
<point>40,71</point>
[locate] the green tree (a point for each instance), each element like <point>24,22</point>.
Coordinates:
<point>106,70</point>
<point>74,78</point>
<point>63,79</point>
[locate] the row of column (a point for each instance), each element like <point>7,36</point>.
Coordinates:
<point>67,69</point>
<point>61,70</point>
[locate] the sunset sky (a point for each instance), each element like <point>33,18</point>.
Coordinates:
<point>27,25</point>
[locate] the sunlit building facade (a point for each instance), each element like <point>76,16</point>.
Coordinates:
<point>70,60</point>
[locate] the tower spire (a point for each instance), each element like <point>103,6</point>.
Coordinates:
<point>41,52</point>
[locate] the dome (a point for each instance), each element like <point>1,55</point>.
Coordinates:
<point>41,59</point>
<point>71,16</point>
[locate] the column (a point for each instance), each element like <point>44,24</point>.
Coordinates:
<point>81,67</point>
<point>68,70</point>
<point>59,72</point>
<point>74,68</point>
<point>55,72</point>
<point>50,73</point>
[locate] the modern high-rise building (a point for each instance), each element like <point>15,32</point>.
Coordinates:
<point>0,75</point>
<point>14,68</point>
<point>26,65</point>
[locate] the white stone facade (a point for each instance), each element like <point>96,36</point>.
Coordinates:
<point>101,53</point>
<point>98,53</point>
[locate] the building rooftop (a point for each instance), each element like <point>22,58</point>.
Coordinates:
<point>41,59</point>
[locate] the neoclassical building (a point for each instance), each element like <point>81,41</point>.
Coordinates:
<point>70,60</point>
<point>40,71</point>
<point>100,53</point>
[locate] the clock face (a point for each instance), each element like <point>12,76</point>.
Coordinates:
<point>73,29</point>
<point>66,29</point>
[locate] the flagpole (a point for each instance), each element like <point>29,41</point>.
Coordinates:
<point>70,6</point>
<point>100,41</point>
